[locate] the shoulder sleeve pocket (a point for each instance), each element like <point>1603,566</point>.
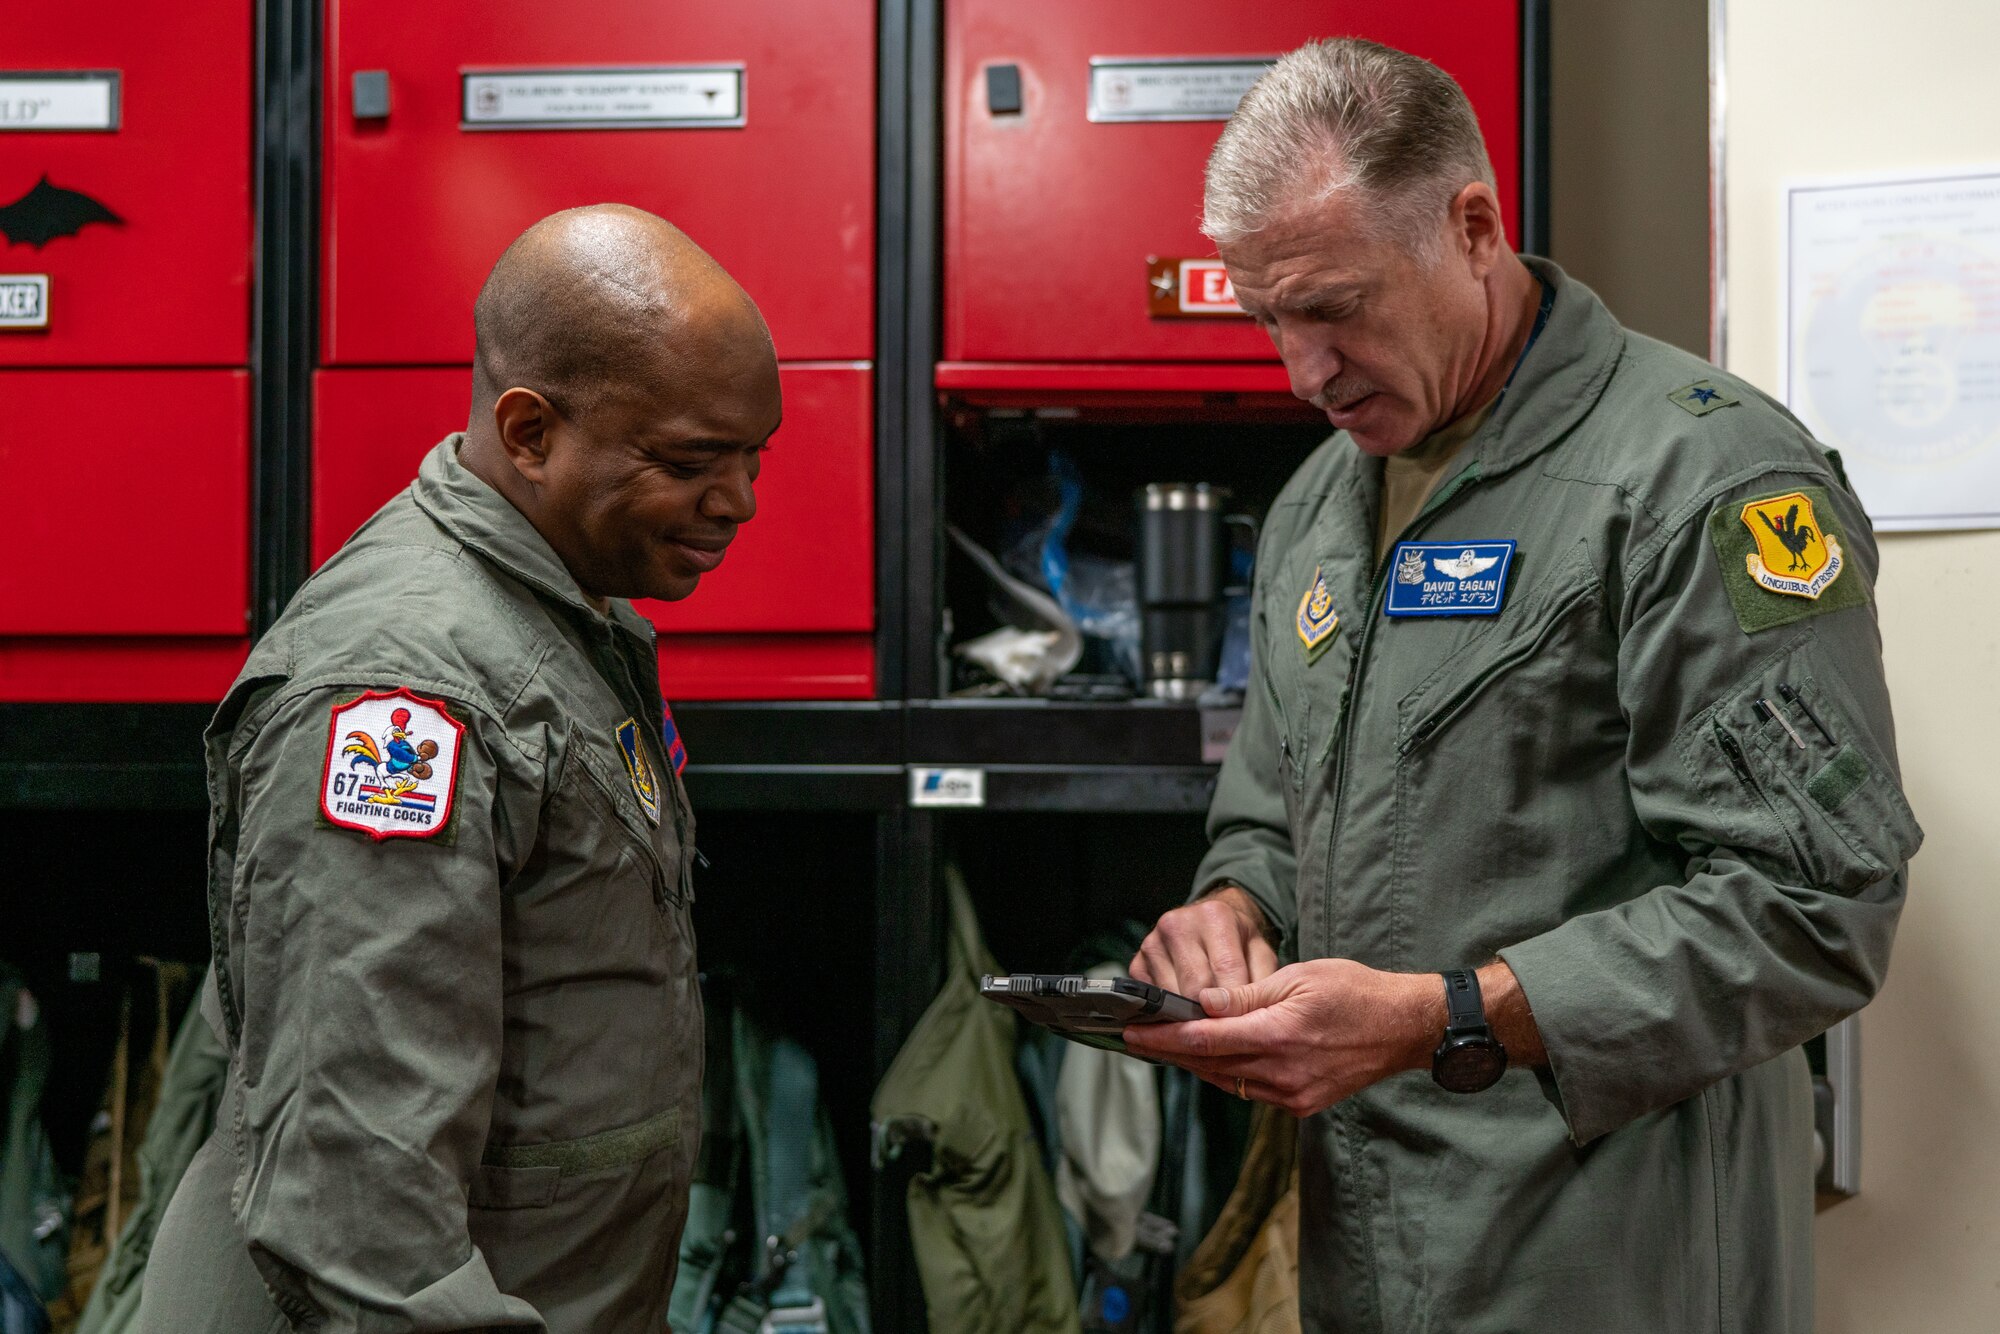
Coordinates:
<point>1801,757</point>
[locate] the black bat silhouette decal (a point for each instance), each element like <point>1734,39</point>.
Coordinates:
<point>49,211</point>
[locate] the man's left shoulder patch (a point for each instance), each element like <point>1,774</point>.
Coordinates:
<point>1782,558</point>
<point>1702,397</point>
<point>391,765</point>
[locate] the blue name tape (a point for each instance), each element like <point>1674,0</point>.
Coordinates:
<point>1448,578</point>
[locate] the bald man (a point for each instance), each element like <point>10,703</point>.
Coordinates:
<point>450,860</point>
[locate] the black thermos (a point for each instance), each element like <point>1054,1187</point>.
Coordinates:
<point>1182,567</point>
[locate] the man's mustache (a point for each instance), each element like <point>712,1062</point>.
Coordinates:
<point>1341,392</point>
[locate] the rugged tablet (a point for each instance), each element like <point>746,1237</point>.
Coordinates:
<point>1090,1010</point>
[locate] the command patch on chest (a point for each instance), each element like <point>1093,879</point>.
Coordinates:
<point>1318,621</point>
<point>645,785</point>
<point>391,765</point>
<point>1448,578</point>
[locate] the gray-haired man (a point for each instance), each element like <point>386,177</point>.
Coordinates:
<point>1567,687</point>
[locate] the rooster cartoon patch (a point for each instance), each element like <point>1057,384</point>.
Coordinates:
<point>391,765</point>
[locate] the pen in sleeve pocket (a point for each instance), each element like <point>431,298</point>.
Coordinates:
<point>1765,711</point>
<point>1792,696</point>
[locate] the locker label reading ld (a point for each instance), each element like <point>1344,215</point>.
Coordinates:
<point>41,100</point>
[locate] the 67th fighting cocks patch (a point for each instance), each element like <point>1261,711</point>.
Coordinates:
<point>391,765</point>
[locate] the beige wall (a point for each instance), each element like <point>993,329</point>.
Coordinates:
<point>1628,155</point>
<point>1837,86</point>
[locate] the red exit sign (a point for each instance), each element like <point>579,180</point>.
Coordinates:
<point>1190,288</point>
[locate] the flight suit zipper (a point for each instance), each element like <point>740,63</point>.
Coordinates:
<point>1339,740</point>
<point>1339,746</point>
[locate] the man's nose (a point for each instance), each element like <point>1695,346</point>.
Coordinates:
<point>1310,360</point>
<point>733,497</point>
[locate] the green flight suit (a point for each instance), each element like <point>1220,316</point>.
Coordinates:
<point>1583,785</point>
<point>465,1066</point>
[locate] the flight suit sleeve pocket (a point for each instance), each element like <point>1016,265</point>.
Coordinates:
<point>1796,751</point>
<point>495,1186</point>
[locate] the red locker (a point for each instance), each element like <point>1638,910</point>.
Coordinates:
<point>750,125</point>
<point>125,260</point>
<point>155,101</point>
<point>1052,212</point>
<point>791,612</point>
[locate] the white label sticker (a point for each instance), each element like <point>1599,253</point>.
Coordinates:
<point>947,787</point>
<point>1183,89</point>
<point>583,99</point>
<point>1218,729</point>
<point>51,100</point>
<point>24,300</point>
<point>391,765</point>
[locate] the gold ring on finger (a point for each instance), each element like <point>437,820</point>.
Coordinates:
<point>1239,1089</point>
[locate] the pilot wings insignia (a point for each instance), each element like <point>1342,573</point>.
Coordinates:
<point>1465,564</point>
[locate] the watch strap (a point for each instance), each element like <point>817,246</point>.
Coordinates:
<point>1464,1009</point>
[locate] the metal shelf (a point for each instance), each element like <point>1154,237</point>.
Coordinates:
<point>102,756</point>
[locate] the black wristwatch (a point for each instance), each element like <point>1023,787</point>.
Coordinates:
<point>1470,1058</point>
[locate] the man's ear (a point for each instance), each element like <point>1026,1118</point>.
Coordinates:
<point>523,419</point>
<point>1476,228</point>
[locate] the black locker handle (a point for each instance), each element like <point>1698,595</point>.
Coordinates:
<point>371,94</point>
<point>1003,90</point>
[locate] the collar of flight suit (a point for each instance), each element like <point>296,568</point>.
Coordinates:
<point>1560,378</point>
<point>486,522</point>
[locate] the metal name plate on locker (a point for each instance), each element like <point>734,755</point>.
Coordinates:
<point>1448,578</point>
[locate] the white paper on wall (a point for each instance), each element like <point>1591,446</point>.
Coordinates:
<point>1892,339</point>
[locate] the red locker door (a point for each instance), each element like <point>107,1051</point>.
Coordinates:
<point>125,260</point>
<point>750,125</point>
<point>125,153</point>
<point>1052,212</point>
<point>129,503</point>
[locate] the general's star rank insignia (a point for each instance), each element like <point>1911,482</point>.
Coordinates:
<point>640,769</point>
<point>1781,561</point>
<point>1317,619</point>
<point>1702,398</point>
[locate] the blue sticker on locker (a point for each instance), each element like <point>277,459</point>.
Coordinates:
<point>1448,578</point>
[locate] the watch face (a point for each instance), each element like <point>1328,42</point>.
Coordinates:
<point>1469,1066</point>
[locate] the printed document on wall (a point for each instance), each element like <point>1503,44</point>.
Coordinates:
<point>1892,339</point>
